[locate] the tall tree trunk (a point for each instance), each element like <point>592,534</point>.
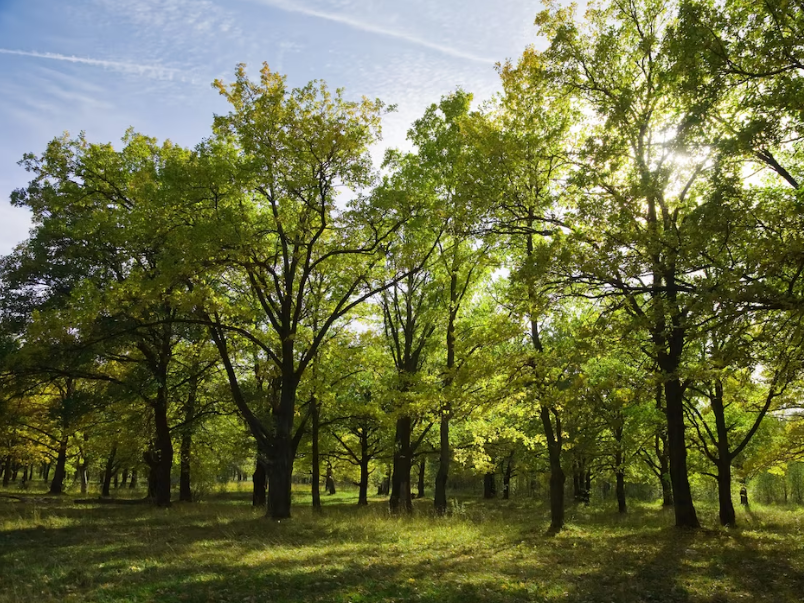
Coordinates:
<point>133,483</point>
<point>316,460</point>
<point>489,486</point>
<point>124,477</point>
<point>259,483</point>
<point>556,472</point>
<point>282,452</point>
<point>509,468</point>
<point>46,472</point>
<point>420,487</point>
<point>621,506</point>
<point>163,461</point>
<point>444,457</point>
<point>185,449</point>
<point>400,478</point>
<point>723,461</point>
<point>444,452</point>
<point>362,496</point>
<point>108,472</point>
<point>57,485</point>
<point>686,517</point>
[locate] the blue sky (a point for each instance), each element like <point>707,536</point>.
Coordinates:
<point>103,65</point>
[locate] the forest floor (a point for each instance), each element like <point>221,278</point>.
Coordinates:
<point>496,551</point>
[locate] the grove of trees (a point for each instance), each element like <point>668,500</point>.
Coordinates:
<point>595,276</point>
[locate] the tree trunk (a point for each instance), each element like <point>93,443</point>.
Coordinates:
<point>316,461</point>
<point>420,486</point>
<point>46,472</point>
<point>83,474</point>
<point>400,478</point>
<point>723,461</point>
<point>727,515</point>
<point>163,458</point>
<point>686,516</point>
<point>621,507</point>
<point>107,473</point>
<point>489,486</point>
<point>444,457</point>
<point>329,484</point>
<point>124,477</point>
<point>57,485</point>
<point>186,446</point>
<point>259,482</point>
<point>557,477</point>
<point>509,467</point>
<point>362,496</point>
<point>133,483</point>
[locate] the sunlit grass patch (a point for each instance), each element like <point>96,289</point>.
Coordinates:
<point>223,550</point>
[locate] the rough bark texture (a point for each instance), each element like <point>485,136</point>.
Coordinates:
<point>57,485</point>
<point>400,478</point>
<point>685,514</point>
<point>259,482</point>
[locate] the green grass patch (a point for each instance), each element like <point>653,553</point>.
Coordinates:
<point>497,551</point>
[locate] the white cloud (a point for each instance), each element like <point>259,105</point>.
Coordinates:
<point>157,71</point>
<point>361,25</point>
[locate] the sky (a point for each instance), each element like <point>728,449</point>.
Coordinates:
<point>102,66</point>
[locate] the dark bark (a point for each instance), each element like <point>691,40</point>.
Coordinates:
<point>723,460</point>
<point>124,477</point>
<point>46,472</point>
<point>744,496</point>
<point>108,471</point>
<point>282,450</point>
<point>489,486</point>
<point>444,457</point>
<point>162,458</point>
<point>7,470</point>
<point>260,482</point>
<point>400,477</point>
<point>57,485</point>
<point>621,506</point>
<point>316,461</point>
<point>507,473</point>
<point>133,483</point>
<point>185,449</point>
<point>685,514</point>
<point>420,486</point>
<point>362,496</point>
<point>554,443</point>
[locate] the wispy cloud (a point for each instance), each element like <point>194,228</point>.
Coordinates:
<point>156,71</point>
<point>375,29</point>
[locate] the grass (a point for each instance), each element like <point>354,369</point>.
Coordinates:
<point>496,551</point>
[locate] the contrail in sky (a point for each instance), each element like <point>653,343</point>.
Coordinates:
<point>376,29</point>
<point>150,70</point>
